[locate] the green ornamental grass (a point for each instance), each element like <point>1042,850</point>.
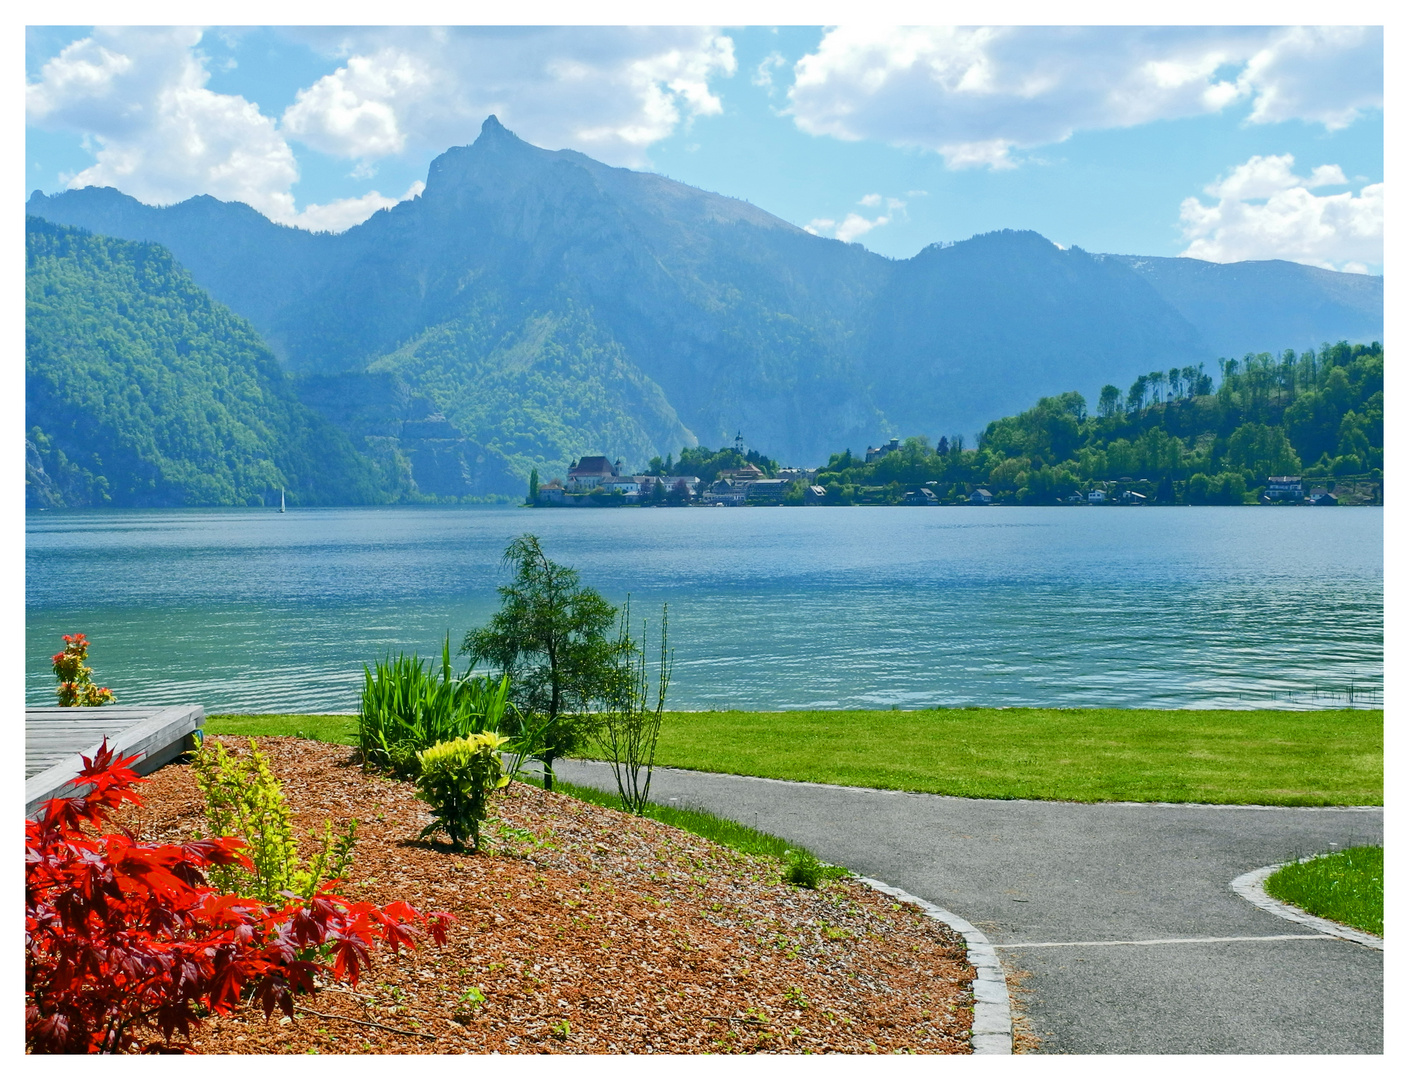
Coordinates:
<point>1344,886</point>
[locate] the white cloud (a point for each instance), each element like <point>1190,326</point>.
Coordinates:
<point>608,91</point>
<point>855,225</point>
<point>140,97</point>
<point>975,95</point>
<point>848,229</point>
<point>763,74</point>
<point>1263,210</point>
<point>343,214</point>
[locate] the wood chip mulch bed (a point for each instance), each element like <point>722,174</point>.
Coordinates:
<point>585,930</point>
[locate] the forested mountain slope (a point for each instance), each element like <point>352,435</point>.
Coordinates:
<point>142,391</point>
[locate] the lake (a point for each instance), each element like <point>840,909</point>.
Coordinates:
<point>770,608</point>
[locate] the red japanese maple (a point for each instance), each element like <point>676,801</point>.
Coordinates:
<point>125,940</point>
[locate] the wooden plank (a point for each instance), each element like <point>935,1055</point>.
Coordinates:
<point>156,735</point>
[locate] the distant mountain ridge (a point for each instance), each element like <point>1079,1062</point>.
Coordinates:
<point>547,306</point>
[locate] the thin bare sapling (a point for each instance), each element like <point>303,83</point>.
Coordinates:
<point>631,723</point>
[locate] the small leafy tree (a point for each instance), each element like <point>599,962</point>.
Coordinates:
<point>75,677</point>
<point>457,778</point>
<point>124,940</point>
<point>549,638</point>
<point>631,722</point>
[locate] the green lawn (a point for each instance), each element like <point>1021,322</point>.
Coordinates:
<point>1347,886</point>
<point>334,729</point>
<point>1333,757</point>
<point>1085,755</point>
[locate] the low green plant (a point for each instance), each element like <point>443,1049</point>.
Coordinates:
<point>456,779</point>
<point>243,799</point>
<point>802,868</point>
<point>407,707</point>
<point>1347,886</point>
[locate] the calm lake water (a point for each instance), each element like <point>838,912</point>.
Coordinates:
<point>857,607</point>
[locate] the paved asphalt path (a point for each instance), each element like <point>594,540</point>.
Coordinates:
<point>1028,872</point>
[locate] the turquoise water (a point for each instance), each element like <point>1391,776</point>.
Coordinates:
<point>855,607</point>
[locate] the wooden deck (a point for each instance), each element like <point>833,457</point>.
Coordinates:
<point>55,740</point>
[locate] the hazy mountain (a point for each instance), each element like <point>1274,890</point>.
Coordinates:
<point>1260,306</point>
<point>544,306</point>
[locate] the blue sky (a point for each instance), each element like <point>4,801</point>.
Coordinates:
<point>1219,142</point>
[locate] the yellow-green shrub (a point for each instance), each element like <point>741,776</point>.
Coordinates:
<point>456,779</point>
<point>243,799</point>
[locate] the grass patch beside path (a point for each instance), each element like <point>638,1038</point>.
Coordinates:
<point>730,834</point>
<point>1324,758</point>
<point>1346,886</point>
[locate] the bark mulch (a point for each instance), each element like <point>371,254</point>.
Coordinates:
<point>585,930</point>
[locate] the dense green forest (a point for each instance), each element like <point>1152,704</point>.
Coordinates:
<point>142,391</point>
<point>1171,436</point>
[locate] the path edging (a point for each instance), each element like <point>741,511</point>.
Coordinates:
<point>992,1031</point>
<point>1250,887</point>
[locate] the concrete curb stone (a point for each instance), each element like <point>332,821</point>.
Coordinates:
<point>1250,887</point>
<point>992,1031</point>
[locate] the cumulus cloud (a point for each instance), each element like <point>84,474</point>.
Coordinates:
<point>140,98</point>
<point>608,91</point>
<point>975,95</point>
<point>848,229</point>
<point>343,214</point>
<point>1263,210</point>
<point>854,225</point>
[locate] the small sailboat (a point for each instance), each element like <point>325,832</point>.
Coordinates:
<point>281,500</point>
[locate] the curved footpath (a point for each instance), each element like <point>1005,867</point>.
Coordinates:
<point>1115,922</point>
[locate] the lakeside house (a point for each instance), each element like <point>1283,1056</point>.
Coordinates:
<point>1283,489</point>
<point>981,497</point>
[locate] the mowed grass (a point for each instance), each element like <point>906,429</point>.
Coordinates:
<point>1324,758</point>
<point>1347,886</point>
<point>319,727</point>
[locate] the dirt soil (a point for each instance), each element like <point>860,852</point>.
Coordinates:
<point>584,930</point>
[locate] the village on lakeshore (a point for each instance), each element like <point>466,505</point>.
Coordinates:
<point>597,480</point>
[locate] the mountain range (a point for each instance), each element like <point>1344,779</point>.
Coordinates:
<point>532,306</point>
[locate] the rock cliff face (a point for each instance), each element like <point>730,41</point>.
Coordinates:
<point>549,306</point>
